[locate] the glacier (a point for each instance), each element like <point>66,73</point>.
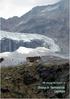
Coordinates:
<point>19,56</point>
<point>28,37</point>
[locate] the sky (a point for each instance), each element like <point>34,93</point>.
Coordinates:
<point>10,8</point>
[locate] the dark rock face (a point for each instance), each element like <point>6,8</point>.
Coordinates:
<point>29,79</point>
<point>5,90</point>
<point>46,74</point>
<point>33,59</point>
<point>53,74</point>
<point>1,60</point>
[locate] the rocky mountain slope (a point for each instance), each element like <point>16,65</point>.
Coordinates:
<point>51,20</point>
<point>27,81</point>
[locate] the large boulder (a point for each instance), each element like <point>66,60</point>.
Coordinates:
<point>1,60</point>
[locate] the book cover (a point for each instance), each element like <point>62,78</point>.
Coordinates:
<point>34,49</point>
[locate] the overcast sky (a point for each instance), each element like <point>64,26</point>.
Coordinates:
<point>9,8</point>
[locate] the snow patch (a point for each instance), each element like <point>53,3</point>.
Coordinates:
<point>19,56</point>
<point>50,8</point>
